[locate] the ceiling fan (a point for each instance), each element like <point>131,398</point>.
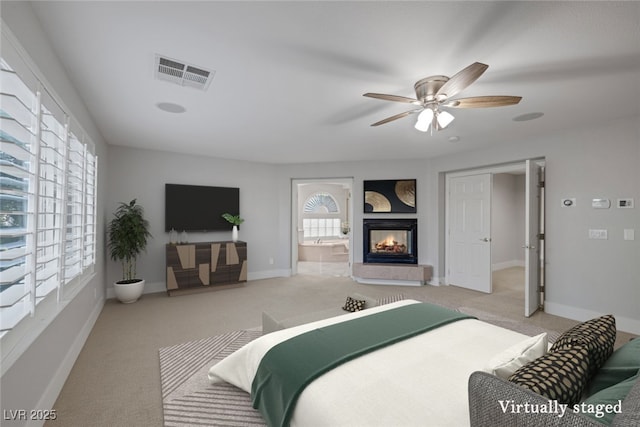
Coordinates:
<point>435,92</point>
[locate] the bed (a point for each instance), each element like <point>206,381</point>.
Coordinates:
<point>417,381</point>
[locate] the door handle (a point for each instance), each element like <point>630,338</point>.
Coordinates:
<point>485,239</point>
<point>528,247</point>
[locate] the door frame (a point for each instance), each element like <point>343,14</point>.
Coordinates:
<point>294,215</point>
<point>495,169</point>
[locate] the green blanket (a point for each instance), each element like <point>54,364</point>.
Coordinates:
<point>287,368</point>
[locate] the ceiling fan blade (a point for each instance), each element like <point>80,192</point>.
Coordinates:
<point>483,102</point>
<point>461,80</point>
<point>395,98</point>
<point>396,117</point>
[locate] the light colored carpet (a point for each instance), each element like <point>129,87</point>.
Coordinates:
<point>116,378</point>
<point>188,399</point>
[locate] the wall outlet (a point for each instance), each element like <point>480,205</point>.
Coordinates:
<point>598,234</point>
<point>271,261</point>
<point>629,234</point>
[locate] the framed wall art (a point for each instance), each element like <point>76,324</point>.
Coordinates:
<point>390,196</point>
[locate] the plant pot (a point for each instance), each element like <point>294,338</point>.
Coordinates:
<point>128,292</point>
<point>234,233</point>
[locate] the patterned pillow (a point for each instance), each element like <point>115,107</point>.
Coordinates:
<point>597,335</point>
<point>561,375</point>
<point>353,304</point>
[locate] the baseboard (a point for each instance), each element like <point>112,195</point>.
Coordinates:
<point>54,388</point>
<point>507,264</point>
<point>268,274</point>
<point>149,288</point>
<point>154,287</point>
<point>623,323</point>
<point>437,281</point>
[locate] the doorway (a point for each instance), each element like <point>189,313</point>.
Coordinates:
<point>494,230</point>
<point>321,226</point>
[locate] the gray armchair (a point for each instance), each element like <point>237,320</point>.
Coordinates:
<point>486,390</point>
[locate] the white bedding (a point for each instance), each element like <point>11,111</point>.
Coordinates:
<point>421,381</point>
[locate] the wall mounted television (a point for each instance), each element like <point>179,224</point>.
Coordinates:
<point>199,207</point>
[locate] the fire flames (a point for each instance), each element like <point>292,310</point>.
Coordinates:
<point>389,245</point>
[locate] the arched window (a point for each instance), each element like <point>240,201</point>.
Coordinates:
<point>323,220</point>
<point>321,203</point>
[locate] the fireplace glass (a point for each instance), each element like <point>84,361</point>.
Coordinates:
<point>390,242</point>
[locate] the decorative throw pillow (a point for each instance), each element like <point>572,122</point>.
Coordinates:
<point>510,360</point>
<point>561,375</point>
<point>353,304</point>
<point>597,335</point>
<point>622,364</point>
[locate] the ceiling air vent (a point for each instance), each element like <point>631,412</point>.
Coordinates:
<point>183,74</point>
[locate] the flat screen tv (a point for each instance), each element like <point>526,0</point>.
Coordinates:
<point>199,207</point>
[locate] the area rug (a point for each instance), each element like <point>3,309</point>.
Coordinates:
<point>188,399</point>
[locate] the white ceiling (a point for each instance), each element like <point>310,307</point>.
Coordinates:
<point>290,75</point>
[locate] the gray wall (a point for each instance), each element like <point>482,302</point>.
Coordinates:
<point>507,220</point>
<point>584,277</point>
<point>142,174</point>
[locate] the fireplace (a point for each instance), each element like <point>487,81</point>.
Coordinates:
<point>390,241</point>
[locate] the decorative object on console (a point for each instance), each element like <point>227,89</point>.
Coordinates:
<point>390,196</point>
<point>236,221</point>
<point>128,233</point>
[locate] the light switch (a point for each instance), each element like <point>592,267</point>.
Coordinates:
<point>629,234</point>
<point>601,203</point>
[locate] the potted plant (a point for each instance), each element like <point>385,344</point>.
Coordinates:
<point>128,233</point>
<point>236,221</point>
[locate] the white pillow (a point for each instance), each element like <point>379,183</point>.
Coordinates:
<point>507,362</point>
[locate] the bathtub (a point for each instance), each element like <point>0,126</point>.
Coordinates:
<point>324,251</point>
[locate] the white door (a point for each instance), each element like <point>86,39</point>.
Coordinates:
<point>531,242</point>
<point>469,223</point>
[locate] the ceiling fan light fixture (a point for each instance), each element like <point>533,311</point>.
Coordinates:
<point>444,119</point>
<point>424,120</point>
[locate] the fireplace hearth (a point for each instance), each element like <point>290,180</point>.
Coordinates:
<point>392,241</point>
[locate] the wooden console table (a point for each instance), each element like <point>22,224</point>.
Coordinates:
<point>201,265</point>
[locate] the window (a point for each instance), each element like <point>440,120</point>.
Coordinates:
<point>321,216</point>
<point>320,203</point>
<point>47,196</point>
<point>321,227</point>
